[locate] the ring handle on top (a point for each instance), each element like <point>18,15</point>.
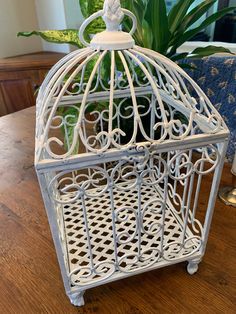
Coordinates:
<point>101,13</point>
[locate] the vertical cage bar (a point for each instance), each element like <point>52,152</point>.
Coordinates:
<point>54,229</point>
<point>213,195</point>
<point>187,207</point>
<point>111,192</point>
<point>197,192</point>
<point>139,229</point>
<point>164,214</point>
<point>152,122</point>
<point>87,232</point>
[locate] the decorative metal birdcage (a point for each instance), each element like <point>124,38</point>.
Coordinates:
<point>124,142</point>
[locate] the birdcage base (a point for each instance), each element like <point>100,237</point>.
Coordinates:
<point>123,240</point>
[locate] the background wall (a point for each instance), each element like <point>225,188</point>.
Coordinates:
<point>73,13</point>
<point>58,14</point>
<point>28,15</point>
<point>15,16</point>
<point>51,15</point>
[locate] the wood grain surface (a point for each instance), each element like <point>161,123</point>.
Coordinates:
<point>20,78</point>
<point>30,280</point>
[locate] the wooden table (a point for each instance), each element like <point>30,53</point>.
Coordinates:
<point>30,278</point>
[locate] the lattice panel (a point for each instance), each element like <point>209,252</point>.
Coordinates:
<point>144,240</point>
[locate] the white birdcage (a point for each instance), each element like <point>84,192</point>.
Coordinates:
<point>124,141</point>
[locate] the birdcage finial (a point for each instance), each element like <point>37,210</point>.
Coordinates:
<point>113,37</point>
<point>113,14</point>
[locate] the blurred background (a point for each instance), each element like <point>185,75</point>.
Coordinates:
<point>26,15</point>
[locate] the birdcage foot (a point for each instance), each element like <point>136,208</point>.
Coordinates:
<point>77,298</point>
<point>192,267</point>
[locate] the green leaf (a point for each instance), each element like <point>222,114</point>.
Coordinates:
<point>177,14</point>
<point>97,25</point>
<point>68,36</point>
<point>94,6</point>
<point>195,14</point>
<point>147,35</point>
<point>179,56</point>
<point>128,4</point>
<point>208,21</point>
<point>208,51</point>
<point>188,66</point>
<point>84,8</point>
<point>139,10</point>
<point>157,18</point>
<point>87,9</point>
<point>143,35</point>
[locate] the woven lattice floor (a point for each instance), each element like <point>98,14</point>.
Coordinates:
<point>99,217</point>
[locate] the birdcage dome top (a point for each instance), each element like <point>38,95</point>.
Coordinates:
<point>113,95</point>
